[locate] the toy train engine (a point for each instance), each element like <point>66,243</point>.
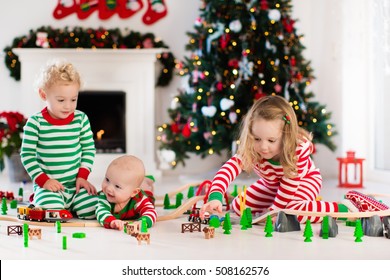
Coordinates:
<point>195,218</point>
<point>40,215</point>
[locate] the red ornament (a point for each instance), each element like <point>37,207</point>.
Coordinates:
<point>264,5</point>
<point>219,86</point>
<point>175,128</point>
<point>288,25</point>
<point>293,61</point>
<point>299,76</point>
<point>224,40</point>
<point>186,131</point>
<point>233,63</point>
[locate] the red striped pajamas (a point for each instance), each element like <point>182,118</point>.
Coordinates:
<point>273,190</point>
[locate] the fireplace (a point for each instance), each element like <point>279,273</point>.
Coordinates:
<point>110,72</point>
<point>106,111</point>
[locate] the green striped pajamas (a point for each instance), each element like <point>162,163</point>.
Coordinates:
<point>61,151</point>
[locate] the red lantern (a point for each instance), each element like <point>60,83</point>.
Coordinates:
<point>351,177</point>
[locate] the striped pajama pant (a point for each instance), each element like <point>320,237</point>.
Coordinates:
<point>82,204</point>
<point>260,197</point>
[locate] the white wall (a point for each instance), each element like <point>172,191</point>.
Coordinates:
<point>321,21</point>
<point>19,16</point>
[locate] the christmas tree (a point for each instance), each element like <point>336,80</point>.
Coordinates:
<point>241,50</point>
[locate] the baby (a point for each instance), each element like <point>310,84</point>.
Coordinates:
<point>122,197</point>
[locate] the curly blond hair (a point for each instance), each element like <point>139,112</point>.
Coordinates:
<point>272,108</point>
<point>57,71</point>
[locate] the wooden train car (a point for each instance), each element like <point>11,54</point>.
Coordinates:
<point>195,218</point>
<point>40,215</point>
<point>7,195</point>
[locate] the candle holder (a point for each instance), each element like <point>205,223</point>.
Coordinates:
<point>350,171</point>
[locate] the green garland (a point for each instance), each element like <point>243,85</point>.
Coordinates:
<point>79,37</point>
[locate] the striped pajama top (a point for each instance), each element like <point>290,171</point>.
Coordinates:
<point>138,207</point>
<point>272,174</point>
<point>58,149</point>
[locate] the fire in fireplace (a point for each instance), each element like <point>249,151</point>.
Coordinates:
<point>106,112</point>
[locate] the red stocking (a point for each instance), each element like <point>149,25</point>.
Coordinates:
<point>87,7</point>
<point>129,7</point>
<point>156,10</point>
<point>64,8</point>
<point>107,8</point>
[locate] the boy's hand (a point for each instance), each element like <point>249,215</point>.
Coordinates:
<point>53,185</point>
<point>117,224</point>
<point>211,206</point>
<point>82,183</point>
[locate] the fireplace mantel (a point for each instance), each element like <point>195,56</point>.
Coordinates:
<point>128,70</point>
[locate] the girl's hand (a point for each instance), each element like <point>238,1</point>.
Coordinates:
<point>82,183</point>
<point>53,185</point>
<point>211,206</point>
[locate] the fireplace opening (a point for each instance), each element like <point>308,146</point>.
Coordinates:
<point>106,111</point>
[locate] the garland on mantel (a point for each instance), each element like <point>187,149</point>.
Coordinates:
<point>79,37</point>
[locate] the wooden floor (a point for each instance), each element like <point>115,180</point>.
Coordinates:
<point>169,243</point>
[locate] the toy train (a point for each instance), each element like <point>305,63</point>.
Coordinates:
<point>195,218</point>
<point>7,195</point>
<point>40,215</point>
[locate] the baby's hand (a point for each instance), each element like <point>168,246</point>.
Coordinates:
<point>82,183</point>
<point>211,206</point>
<point>53,185</point>
<point>117,224</point>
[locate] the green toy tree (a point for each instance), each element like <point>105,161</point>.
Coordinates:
<point>325,227</point>
<point>248,214</point>
<point>179,198</point>
<point>144,225</point>
<point>4,206</point>
<point>214,222</point>
<point>20,192</point>
<point>227,225</point>
<point>25,234</point>
<point>167,202</point>
<point>269,227</point>
<point>241,50</point>
<point>191,192</point>
<point>244,221</point>
<point>234,193</point>
<point>308,231</point>
<point>58,226</point>
<point>358,233</point>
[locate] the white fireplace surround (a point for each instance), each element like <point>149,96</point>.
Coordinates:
<point>129,70</point>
